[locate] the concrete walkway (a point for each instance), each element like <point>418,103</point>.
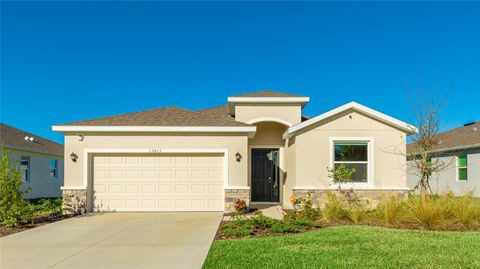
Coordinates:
<point>114,240</point>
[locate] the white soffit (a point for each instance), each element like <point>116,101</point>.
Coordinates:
<point>357,107</point>
<point>265,100</point>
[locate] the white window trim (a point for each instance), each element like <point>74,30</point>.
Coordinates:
<point>370,162</point>
<point>458,167</point>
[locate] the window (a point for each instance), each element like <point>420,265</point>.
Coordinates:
<point>352,155</point>
<point>25,166</point>
<point>462,164</point>
<point>53,168</point>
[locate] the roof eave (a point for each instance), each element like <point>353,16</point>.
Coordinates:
<point>171,129</point>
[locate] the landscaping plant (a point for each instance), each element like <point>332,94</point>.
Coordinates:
<point>427,211</point>
<point>341,174</point>
<point>333,208</point>
<point>465,210</point>
<point>391,210</point>
<point>356,212</point>
<point>14,211</point>
<point>240,205</point>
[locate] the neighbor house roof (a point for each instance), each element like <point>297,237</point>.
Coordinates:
<point>356,107</point>
<point>13,138</point>
<point>464,137</point>
<point>267,93</point>
<point>167,119</point>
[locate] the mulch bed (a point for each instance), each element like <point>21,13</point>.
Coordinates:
<point>39,221</point>
<point>454,227</point>
<point>257,233</point>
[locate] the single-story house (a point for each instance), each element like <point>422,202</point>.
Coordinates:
<point>459,151</point>
<point>258,148</point>
<point>40,159</point>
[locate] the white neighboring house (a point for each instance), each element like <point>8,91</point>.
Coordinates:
<point>40,159</point>
<point>460,148</point>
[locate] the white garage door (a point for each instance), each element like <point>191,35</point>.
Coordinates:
<point>174,182</point>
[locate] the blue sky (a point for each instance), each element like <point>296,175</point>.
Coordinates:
<point>68,61</point>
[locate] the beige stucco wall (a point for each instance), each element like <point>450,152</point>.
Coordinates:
<point>41,184</point>
<point>290,113</point>
<point>312,150</point>
<point>268,133</point>
<point>237,171</point>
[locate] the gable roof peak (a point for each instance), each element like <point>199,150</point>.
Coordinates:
<point>357,107</point>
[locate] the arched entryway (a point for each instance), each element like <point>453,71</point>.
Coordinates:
<point>267,162</point>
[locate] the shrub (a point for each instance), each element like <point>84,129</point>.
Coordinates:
<point>262,222</point>
<point>427,212</point>
<point>280,227</point>
<point>355,212</point>
<point>234,229</point>
<point>308,211</point>
<point>333,208</point>
<point>391,210</point>
<point>50,206</point>
<point>464,210</point>
<point>240,205</point>
<point>14,211</point>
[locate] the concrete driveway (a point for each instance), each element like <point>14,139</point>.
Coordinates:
<point>114,240</point>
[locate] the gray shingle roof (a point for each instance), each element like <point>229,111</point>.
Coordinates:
<point>12,137</point>
<point>167,116</point>
<point>461,137</point>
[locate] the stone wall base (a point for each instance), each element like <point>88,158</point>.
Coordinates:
<point>74,201</point>
<point>369,197</point>
<point>232,195</point>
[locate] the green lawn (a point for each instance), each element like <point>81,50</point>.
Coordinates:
<point>350,247</point>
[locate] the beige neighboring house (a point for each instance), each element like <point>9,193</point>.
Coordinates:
<point>40,159</point>
<point>459,150</point>
<point>258,147</point>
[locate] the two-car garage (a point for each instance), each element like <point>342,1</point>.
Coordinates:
<point>158,181</point>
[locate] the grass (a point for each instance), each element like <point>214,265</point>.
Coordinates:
<point>350,247</point>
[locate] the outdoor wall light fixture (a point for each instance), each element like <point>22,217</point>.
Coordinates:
<point>74,157</point>
<point>238,156</point>
<point>80,137</point>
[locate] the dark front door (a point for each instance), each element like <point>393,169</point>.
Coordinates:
<point>265,175</point>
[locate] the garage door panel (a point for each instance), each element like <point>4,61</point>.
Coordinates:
<point>159,183</point>
<point>165,188</point>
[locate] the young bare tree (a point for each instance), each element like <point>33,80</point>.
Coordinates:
<point>427,113</point>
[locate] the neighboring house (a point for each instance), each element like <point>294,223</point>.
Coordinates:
<point>459,150</point>
<point>40,159</point>
<point>258,147</point>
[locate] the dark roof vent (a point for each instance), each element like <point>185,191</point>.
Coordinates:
<point>468,124</point>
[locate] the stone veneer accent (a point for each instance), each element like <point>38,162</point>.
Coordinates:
<point>370,197</point>
<point>232,195</point>
<point>74,201</point>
